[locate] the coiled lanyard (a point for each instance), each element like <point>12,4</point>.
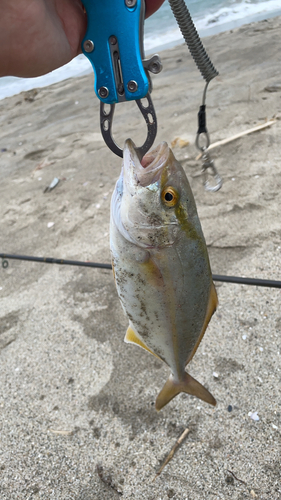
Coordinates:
<point>208,71</point>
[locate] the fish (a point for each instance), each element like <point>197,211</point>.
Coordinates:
<point>160,264</point>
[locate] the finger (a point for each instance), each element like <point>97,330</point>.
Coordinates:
<point>74,22</point>
<point>152,6</point>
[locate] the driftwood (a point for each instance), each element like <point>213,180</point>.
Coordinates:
<point>172,452</point>
<point>237,136</point>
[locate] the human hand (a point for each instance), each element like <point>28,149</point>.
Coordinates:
<point>152,6</point>
<point>38,36</point>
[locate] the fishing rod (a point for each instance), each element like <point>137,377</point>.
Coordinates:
<point>49,260</point>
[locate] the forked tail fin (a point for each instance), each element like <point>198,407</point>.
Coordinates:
<point>189,385</point>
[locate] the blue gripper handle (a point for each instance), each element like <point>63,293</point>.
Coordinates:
<point>109,20</point>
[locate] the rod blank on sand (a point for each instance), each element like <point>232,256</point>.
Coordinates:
<point>247,281</point>
<point>216,277</point>
<point>50,260</point>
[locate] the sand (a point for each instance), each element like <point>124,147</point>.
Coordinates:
<point>77,404</point>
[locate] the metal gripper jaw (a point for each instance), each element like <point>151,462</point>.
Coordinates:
<point>114,45</point>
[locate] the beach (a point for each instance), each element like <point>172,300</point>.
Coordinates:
<point>77,413</point>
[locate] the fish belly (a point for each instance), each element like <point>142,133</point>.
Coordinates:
<point>165,295</point>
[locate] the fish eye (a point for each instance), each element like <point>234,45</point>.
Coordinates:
<point>169,196</point>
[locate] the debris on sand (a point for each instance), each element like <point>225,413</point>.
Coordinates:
<point>52,186</point>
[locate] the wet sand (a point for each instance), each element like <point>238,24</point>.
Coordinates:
<point>77,404</point>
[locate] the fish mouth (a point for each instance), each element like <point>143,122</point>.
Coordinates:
<point>147,171</point>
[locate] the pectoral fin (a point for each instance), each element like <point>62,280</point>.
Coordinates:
<point>132,338</point>
<point>189,385</point>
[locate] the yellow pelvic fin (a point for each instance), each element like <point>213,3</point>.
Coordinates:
<point>131,338</point>
<point>212,306</point>
<point>189,385</point>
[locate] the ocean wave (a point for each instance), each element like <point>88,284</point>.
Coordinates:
<point>237,11</point>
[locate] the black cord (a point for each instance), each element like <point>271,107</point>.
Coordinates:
<point>216,277</point>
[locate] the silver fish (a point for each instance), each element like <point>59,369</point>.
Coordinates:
<point>161,264</point>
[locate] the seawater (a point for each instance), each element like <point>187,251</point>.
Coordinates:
<point>209,16</point>
<point>161,31</point>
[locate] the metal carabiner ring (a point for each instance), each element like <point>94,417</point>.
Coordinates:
<point>209,164</point>
<point>202,148</point>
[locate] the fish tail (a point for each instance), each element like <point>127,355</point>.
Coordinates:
<point>187,384</point>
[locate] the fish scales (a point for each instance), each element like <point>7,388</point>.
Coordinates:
<point>161,265</point>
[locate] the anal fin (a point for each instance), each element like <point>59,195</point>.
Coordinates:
<point>132,338</point>
<point>189,385</point>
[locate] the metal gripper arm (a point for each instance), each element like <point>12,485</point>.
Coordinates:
<point>114,45</point>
